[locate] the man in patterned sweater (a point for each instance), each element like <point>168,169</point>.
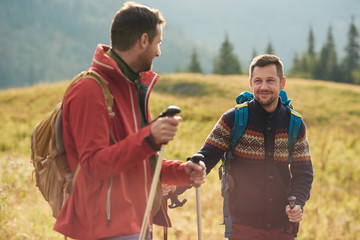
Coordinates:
<point>260,179</point>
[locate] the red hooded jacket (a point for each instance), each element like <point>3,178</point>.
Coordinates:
<point>86,134</point>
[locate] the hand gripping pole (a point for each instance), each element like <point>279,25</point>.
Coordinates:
<point>295,226</point>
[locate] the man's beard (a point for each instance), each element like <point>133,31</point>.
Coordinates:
<point>145,66</point>
<point>268,102</point>
<point>145,62</point>
<point>148,67</point>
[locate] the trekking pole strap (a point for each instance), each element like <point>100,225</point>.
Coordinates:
<point>226,210</point>
<point>227,218</point>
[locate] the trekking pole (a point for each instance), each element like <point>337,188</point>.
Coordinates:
<point>196,158</point>
<point>295,225</point>
<point>170,112</point>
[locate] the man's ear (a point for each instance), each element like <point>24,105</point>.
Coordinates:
<point>250,84</point>
<point>144,40</point>
<point>283,82</point>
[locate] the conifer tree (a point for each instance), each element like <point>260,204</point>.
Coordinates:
<point>351,61</point>
<point>310,55</point>
<point>311,43</point>
<point>301,66</point>
<point>194,65</point>
<point>295,69</point>
<point>226,62</point>
<point>327,67</point>
<point>270,49</point>
<point>304,63</point>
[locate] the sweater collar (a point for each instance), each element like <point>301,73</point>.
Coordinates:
<point>265,113</point>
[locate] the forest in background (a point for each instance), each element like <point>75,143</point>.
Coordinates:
<point>48,41</point>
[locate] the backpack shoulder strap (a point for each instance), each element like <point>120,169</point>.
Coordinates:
<point>109,99</point>
<point>240,122</point>
<point>294,127</point>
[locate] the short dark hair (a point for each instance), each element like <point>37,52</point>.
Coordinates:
<point>267,59</point>
<point>131,21</point>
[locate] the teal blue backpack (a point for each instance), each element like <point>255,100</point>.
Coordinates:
<point>240,122</point>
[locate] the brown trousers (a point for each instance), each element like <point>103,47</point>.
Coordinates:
<point>245,232</point>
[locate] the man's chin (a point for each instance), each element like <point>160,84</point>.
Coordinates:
<point>266,101</point>
<point>148,68</point>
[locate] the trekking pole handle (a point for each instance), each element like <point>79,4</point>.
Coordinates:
<point>196,158</point>
<point>292,200</point>
<point>171,111</point>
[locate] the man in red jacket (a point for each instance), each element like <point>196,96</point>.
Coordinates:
<point>109,197</point>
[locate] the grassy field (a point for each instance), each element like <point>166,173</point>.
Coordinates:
<point>330,110</point>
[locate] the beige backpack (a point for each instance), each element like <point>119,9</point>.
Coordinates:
<point>53,175</point>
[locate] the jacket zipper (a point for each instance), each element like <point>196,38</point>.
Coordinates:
<point>147,96</point>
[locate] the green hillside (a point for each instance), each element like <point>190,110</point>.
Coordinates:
<point>331,112</point>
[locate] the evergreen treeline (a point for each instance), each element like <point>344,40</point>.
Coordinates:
<point>326,65</point>
<point>323,65</point>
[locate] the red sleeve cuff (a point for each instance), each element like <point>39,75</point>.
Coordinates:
<point>151,141</point>
<point>173,173</point>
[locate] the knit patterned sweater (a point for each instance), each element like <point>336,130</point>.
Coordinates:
<point>261,179</point>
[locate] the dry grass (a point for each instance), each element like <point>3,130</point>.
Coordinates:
<point>331,112</point>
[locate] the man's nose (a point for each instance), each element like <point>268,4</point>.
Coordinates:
<point>158,53</point>
<point>264,85</point>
